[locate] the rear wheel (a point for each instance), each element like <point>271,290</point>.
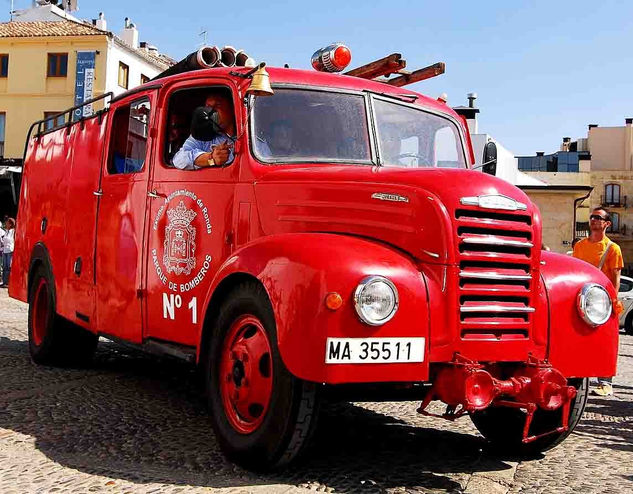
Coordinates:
<point>263,416</point>
<point>503,426</point>
<point>54,340</point>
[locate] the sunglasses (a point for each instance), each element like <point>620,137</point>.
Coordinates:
<point>597,217</point>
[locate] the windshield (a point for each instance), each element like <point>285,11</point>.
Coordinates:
<point>297,125</point>
<point>412,138</point>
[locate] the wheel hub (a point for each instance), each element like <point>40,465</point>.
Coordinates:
<point>246,383</point>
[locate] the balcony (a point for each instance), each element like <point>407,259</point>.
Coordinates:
<point>613,202</point>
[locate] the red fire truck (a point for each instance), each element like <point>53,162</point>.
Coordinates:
<point>347,247</point>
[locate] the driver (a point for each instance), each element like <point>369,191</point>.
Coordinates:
<point>214,150</point>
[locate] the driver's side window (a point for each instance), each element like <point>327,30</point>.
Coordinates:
<point>181,127</point>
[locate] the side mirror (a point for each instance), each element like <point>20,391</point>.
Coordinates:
<point>489,161</point>
<point>204,124</point>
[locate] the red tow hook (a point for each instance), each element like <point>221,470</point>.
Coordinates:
<point>466,387</point>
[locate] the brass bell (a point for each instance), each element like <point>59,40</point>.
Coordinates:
<point>260,85</point>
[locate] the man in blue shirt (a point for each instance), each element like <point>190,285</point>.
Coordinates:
<point>218,151</point>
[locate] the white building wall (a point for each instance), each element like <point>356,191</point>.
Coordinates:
<point>43,13</point>
<point>137,65</point>
<point>507,163</point>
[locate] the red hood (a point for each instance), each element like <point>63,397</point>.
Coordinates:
<point>412,209</point>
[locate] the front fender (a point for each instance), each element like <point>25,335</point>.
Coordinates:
<point>575,348</point>
<point>299,270</point>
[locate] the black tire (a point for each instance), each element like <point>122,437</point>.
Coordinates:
<point>54,340</point>
<point>628,323</point>
<point>503,426</point>
<point>269,435</point>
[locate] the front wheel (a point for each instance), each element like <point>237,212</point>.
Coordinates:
<point>263,416</point>
<point>503,426</point>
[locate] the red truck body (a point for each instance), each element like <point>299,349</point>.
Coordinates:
<point>301,231</point>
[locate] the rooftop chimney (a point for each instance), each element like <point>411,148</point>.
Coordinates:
<point>469,113</point>
<point>471,99</point>
<point>629,121</point>
<point>592,126</point>
<point>540,153</point>
<point>130,33</point>
<point>101,22</point>
<point>566,143</point>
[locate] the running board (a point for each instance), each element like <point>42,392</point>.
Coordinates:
<point>158,348</point>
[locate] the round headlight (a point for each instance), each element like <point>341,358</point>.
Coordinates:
<point>594,304</point>
<point>376,300</point>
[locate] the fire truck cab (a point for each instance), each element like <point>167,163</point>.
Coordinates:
<point>346,245</point>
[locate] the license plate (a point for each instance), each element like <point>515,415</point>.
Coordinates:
<point>373,350</point>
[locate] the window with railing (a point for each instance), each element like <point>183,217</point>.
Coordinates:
<point>582,229</point>
<point>612,196</point>
<point>615,226</point>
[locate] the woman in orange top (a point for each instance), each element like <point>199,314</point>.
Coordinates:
<point>606,255</point>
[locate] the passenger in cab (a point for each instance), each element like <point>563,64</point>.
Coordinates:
<point>178,132</point>
<point>278,143</point>
<point>206,146</point>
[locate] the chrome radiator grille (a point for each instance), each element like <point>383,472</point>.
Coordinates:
<point>495,275</point>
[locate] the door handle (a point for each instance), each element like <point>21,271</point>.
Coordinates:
<point>155,195</point>
<point>98,193</point>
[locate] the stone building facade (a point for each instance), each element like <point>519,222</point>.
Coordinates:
<point>606,165</point>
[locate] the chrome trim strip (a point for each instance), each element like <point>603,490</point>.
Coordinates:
<point>385,196</point>
<point>477,200</point>
<point>492,240</point>
<point>489,275</point>
<point>496,308</point>
<point>432,254</point>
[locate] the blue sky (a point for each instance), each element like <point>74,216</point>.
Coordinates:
<point>542,69</point>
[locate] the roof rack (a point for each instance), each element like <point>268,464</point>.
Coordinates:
<point>68,122</point>
<point>395,64</point>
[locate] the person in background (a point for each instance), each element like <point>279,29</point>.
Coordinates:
<point>2,235</point>
<point>7,251</point>
<point>573,244</point>
<point>606,255</point>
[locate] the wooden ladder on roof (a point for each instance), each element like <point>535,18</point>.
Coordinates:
<point>395,64</point>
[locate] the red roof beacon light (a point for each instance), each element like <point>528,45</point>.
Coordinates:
<point>332,58</point>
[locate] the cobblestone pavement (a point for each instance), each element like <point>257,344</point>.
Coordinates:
<point>133,423</point>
